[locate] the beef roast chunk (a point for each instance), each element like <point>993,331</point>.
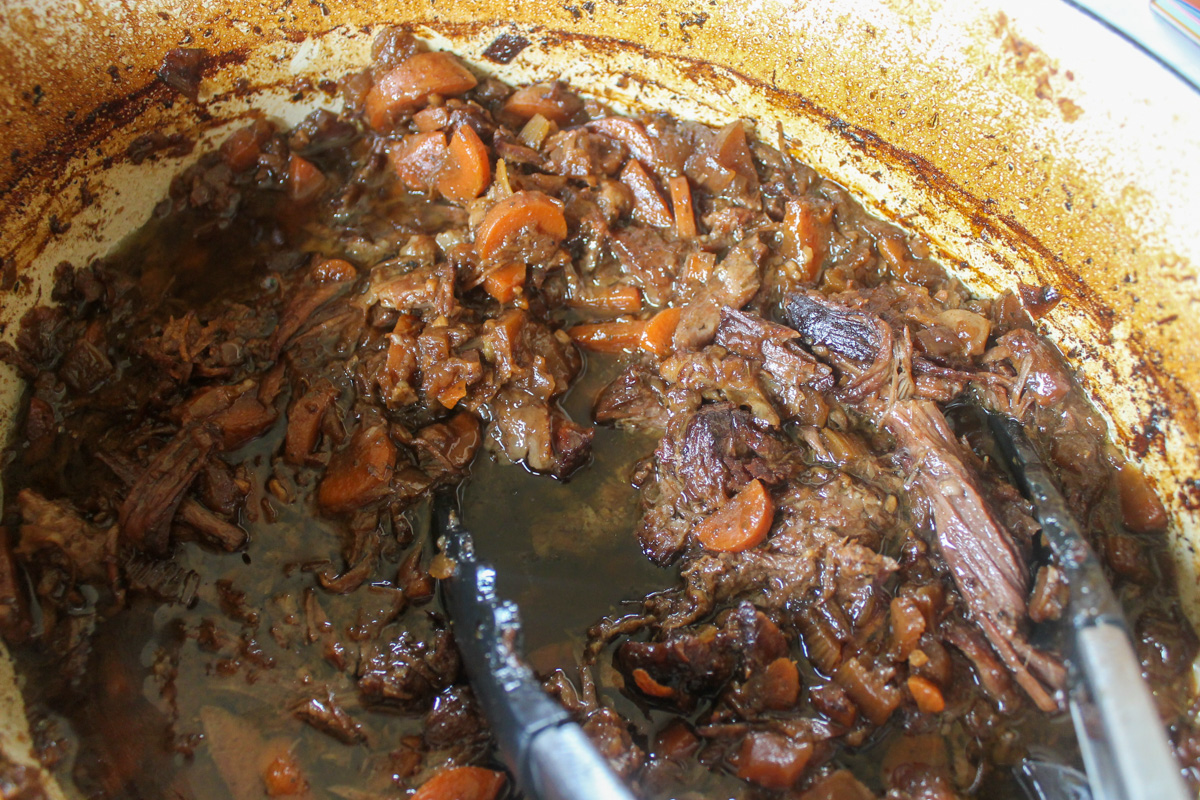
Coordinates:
<point>704,459</point>
<point>52,528</point>
<point>410,671</point>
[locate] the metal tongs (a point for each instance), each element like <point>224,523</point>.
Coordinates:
<point>549,755</point>
<point>1124,746</point>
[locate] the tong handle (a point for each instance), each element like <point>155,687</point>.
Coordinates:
<point>1124,746</point>
<point>1121,735</point>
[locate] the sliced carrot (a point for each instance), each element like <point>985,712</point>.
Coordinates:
<point>800,237</point>
<point>681,201</point>
<point>450,396</point>
<point>304,180</point>
<point>659,332</point>
<point>433,118</point>
<point>243,146</point>
<point>650,687</point>
<point>522,210</point>
<point>619,299</point>
<point>418,159</point>
<point>467,171</point>
<point>648,205</point>
<point>411,83</point>
<point>503,282</point>
<point>461,783</point>
<point>926,694</point>
<point>741,523</point>
<point>782,684</point>
<point>334,270</point>
<point>676,740</point>
<point>552,100</point>
<point>609,337</point>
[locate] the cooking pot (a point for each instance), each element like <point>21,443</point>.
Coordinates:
<point>1026,141</point>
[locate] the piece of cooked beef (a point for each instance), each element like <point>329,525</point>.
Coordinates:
<point>985,563</point>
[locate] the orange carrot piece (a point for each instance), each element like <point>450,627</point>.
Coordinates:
<point>411,83</point>
<point>609,337</point>
<point>648,205</point>
<point>418,159</point>
<point>659,332</point>
<point>741,523</point>
<point>801,240</point>
<point>467,171</point>
<point>433,118</point>
<point>243,146</point>
<point>334,270</point>
<point>926,694</point>
<point>619,299</point>
<point>650,687</point>
<point>772,760</point>
<point>552,100</point>
<point>450,396</point>
<point>503,282</point>
<point>520,210</point>
<point>304,180</point>
<point>782,684</point>
<point>461,783</point>
<point>681,201</point>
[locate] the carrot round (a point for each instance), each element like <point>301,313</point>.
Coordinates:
<point>304,180</point>
<point>551,100</point>
<point>659,333</point>
<point>418,159</point>
<point>523,210</point>
<point>741,523</point>
<point>411,83</point>
<point>467,171</point>
<point>681,201</point>
<point>503,282</point>
<point>242,148</point>
<point>926,694</point>
<point>609,337</point>
<point>461,783</point>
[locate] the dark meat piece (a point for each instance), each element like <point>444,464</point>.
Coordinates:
<point>320,131</point>
<point>213,528</point>
<point>150,506</point>
<point>703,460</point>
<point>446,449</point>
<point>579,152</point>
<point>323,285</point>
<point>862,341</point>
<point>610,735</point>
<point>773,345</point>
<point>686,663</point>
<point>979,552</point>
<point>14,613</point>
<point>541,436</point>
<point>327,715</point>
<point>53,525</point>
<point>633,398</point>
<point>359,474</point>
<point>455,721</point>
<point>165,581</point>
<point>1038,300</point>
<point>713,374</point>
<point>410,672</point>
<point>363,558</point>
<point>182,68</point>
<point>735,281</point>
